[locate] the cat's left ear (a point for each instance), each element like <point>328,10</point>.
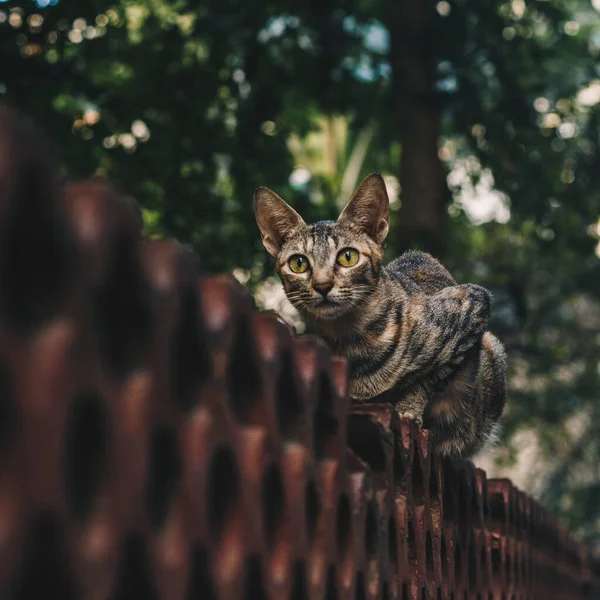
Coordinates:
<point>275,218</point>
<point>369,208</point>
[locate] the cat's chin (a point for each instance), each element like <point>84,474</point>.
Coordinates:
<point>327,311</point>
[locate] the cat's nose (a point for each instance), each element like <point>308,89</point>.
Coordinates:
<point>323,287</point>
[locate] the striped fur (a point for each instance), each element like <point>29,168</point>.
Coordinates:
<point>411,335</point>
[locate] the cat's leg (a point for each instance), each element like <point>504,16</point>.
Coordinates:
<point>463,416</point>
<point>413,402</point>
<point>456,319</point>
<point>462,312</point>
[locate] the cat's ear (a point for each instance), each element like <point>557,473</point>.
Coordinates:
<point>369,208</point>
<point>275,218</point>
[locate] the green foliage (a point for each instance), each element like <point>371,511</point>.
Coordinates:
<point>189,106</point>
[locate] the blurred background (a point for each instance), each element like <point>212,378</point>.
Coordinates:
<point>483,116</point>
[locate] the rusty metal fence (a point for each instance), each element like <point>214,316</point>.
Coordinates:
<point>161,439</point>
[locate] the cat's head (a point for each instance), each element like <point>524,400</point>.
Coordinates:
<point>328,269</point>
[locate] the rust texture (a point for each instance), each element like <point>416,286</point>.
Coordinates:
<point>162,439</point>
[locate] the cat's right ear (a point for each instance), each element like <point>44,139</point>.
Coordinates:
<point>368,208</point>
<point>275,218</point>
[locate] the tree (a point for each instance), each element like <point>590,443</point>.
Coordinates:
<point>425,197</point>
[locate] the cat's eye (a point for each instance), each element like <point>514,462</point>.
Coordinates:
<point>348,257</point>
<point>298,263</point>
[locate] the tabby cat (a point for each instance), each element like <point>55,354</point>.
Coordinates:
<point>411,335</point>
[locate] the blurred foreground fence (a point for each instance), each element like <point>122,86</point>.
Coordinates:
<point>161,439</point>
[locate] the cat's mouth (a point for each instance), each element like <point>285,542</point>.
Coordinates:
<point>326,302</point>
<point>327,308</point>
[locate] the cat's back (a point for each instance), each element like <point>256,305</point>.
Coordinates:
<point>421,269</point>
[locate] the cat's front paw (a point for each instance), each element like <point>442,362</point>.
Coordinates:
<point>410,413</point>
<point>413,403</point>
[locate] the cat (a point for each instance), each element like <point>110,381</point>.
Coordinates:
<point>410,334</point>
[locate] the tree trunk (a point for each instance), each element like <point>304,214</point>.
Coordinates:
<point>424,193</point>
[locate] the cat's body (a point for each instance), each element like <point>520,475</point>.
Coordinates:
<point>410,334</point>
<point>465,399</point>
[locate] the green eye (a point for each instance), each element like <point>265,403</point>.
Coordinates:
<point>298,263</point>
<point>348,257</point>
